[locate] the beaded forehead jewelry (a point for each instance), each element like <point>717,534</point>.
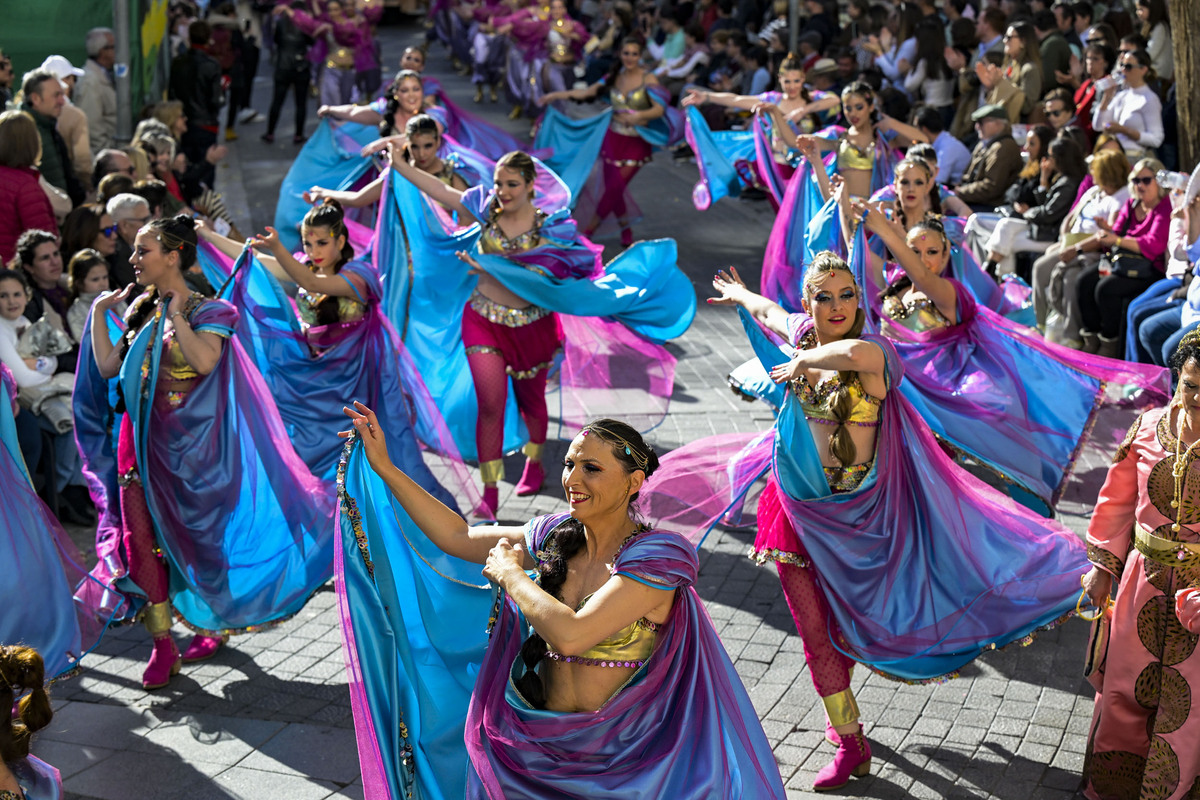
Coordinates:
<point>638,458</point>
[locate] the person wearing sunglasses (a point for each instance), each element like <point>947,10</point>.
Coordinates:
<point>1134,113</point>
<point>1059,108</point>
<point>1136,245</point>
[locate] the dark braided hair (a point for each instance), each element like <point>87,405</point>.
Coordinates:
<point>610,80</point>
<point>329,215</point>
<point>568,538</point>
<point>22,670</point>
<point>841,444</point>
<point>932,225</point>
<point>1187,350</point>
<point>387,126</point>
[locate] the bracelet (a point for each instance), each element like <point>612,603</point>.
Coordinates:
<point>176,314</point>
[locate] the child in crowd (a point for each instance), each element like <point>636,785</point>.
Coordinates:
<point>87,277</point>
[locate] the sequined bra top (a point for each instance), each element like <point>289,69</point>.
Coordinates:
<point>629,647</point>
<point>817,403</point>
<point>493,241</point>
<point>850,156</point>
<point>919,315</point>
<point>349,309</point>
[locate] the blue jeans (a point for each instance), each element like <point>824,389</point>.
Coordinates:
<point>1160,334</point>
<point>1146,305</point>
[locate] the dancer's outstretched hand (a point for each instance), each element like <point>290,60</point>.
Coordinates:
<point>369,430</point>
<point>110,299</point>
<point>465,257</point>
<point>503,562</point>
<point>729,286</point>
<point>788,372</point>
<point>268,241</point>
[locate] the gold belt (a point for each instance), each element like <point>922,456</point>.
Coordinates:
<point>504,315</point>
<point>1165,551</point>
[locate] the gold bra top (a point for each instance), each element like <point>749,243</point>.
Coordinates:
<point>919,315</point>
<point>349,309</point>
<point>637,100</point>
<point>174,367</point>
<point>493,241</point>
<point>817,403</point>
<point>446,173</point>
<point>629,647</point>
<point>851,156</point>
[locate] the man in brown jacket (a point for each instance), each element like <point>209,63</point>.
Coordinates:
<point>995,162</point>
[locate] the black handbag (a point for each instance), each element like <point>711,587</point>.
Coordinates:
<point>1128,264</point>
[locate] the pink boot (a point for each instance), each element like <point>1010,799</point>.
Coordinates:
<point>164,662</point>
<point>831,734</point>
<point>491,501</point>
<point>853,758</point>
<point>532,478</point>
<point>202,648</point>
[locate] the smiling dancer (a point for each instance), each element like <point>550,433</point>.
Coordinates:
<point>606,666</point>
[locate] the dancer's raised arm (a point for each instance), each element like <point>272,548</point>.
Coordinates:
<point>429,185</point>
<point>732,291</point>
<point>443,526</point>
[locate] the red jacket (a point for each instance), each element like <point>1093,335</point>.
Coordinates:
<point>23,206</point>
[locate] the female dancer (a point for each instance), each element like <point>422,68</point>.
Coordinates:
<point>341,342</point>
<point>857,483</point>
<point>530,262</point>
<point>542,56</point>
<point>1145,731</point>
<point>794,107</point>
<point>403,100</point>
<point>611,625</point>
<point>201,509</point>
<point>424,143</point>
<point>24,776</point>
<point>1027,430</point>
<point>637,100</point>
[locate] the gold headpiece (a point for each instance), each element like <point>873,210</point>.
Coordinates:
<point>640,459</point>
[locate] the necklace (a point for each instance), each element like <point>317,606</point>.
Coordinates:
<point>1180,467</point>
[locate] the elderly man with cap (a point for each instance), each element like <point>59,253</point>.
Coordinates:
<point>72,123</point>
<point>96,94</point>
<point>995,162</point>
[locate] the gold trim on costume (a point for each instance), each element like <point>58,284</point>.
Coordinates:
<point>157,617</point>
<point>841,708</point>
<point>491,471</point>
<point>504,315</point>
<point>533,450</point>
<point>1165,551</point>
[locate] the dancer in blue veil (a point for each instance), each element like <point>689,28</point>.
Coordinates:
<point>642,702</point>
<point>335,341</point>
<point>204,472</point>
<point>37,553</point>
<point>522,261</point>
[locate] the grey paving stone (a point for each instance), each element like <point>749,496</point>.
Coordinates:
<point>243,781</point>
<point>317,751</point>
<point>207,737</point>
<point>129,774</point>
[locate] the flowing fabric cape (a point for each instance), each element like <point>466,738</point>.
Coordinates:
<point>683,727</point>
<point>414,630</point>
<point>924,565</point>
<point>364,360</point>
<point>330,158</point>
<point>39,780</point>
<point>805,223</point>
<point>573,145</point>
<point>41,560</point>
<point>245,527</point>
<point>470,130</point>
<point>730,161</point>
<point>614,317</point>
<point>1019,404</point>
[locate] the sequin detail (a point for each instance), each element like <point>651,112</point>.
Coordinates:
<point>847,479</point>
<point>504,315</point>
<point>591,662</point>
